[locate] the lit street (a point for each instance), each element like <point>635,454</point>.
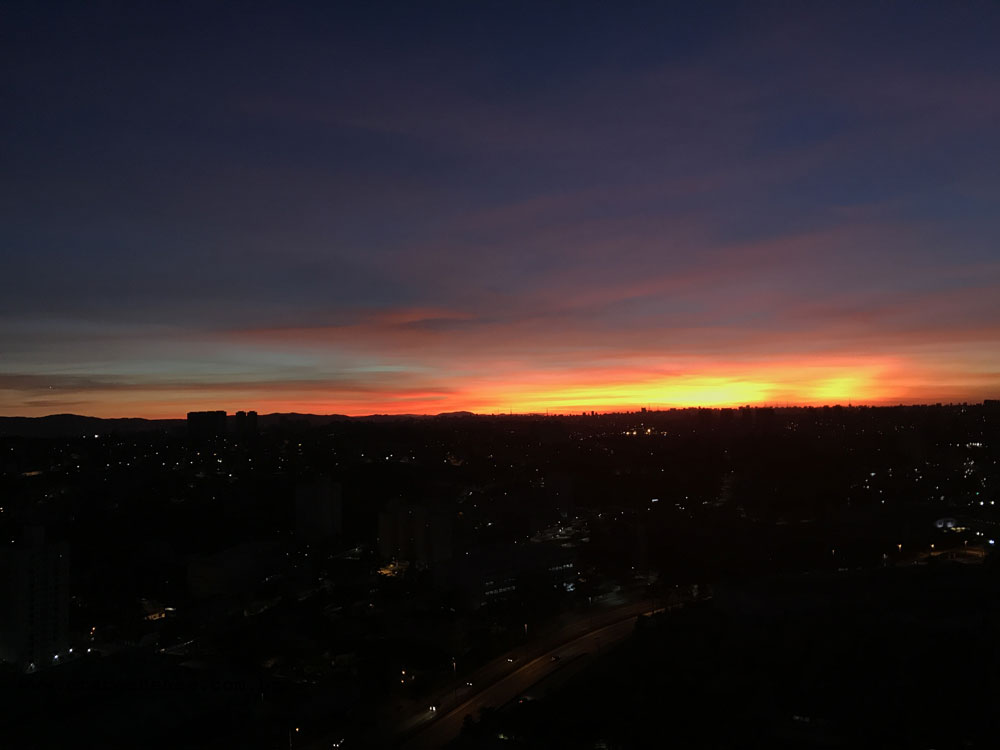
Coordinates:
<point>435,729</point>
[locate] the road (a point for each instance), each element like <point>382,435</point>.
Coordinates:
<point>436,729</point>
<point>501,680</point>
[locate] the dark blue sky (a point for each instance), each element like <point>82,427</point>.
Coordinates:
<point>401,207</point>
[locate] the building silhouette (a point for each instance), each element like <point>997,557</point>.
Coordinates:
<point>246,424</point>
<point>318,510</point>
<point>34,602</point>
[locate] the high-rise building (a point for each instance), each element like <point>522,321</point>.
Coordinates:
<point>34,601</point>
<point>318,510</point>
<point>246,424</point>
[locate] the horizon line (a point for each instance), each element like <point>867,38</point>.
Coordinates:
<point>546,413</point>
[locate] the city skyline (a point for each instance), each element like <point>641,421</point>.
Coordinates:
<point>498,209</point>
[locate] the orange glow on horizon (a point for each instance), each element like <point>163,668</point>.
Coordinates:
<point>770,385</point>
<point>656,385</point>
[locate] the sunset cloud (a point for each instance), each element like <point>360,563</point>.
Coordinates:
<point>638,209</point>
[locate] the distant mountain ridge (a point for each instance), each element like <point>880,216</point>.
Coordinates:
<point>66,425</point>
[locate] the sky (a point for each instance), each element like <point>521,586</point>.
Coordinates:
<point>425,207</point>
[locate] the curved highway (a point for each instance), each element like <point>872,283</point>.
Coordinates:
<point>439,728</point>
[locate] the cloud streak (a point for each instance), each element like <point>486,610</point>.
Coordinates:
<point>638,208</point>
